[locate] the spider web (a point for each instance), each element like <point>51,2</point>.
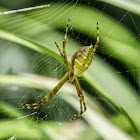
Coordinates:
<point>119,79</point>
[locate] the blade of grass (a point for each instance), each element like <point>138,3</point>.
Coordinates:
<point>17,115</point>
<point>28,43</point>
<point>132,6</point>
<point>95,119</point>
<point>20,129</point>
<point>119,108</point>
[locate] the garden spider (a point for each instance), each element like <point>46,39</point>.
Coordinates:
<point>80,62</point>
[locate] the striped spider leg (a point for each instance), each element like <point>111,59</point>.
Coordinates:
<point>80,62</point>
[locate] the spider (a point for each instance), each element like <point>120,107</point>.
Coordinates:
<point>80,62</point>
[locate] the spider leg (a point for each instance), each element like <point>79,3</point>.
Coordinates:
<point>59,51</point>
<point>46,98</point>
<point>63,55</point>
<point>64,45</point>
<point>97,42</point>
<point>65,37</point>
<point>65,61</point>
<point>82,101</point>
<point>38,104</point>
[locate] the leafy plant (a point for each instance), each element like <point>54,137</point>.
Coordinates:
<point>35,33</point>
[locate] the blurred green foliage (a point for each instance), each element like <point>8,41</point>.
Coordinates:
<point>111,83</point>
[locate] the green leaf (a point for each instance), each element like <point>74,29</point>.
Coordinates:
<point>28,43</point>
<point>9,128</point>
<point>94,117</point>
<point>20,129</point>
<point>129,5</point>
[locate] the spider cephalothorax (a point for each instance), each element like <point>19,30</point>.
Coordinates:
<point>80,62</point>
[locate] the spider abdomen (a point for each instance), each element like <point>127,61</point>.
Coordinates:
<point>81,60</point>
